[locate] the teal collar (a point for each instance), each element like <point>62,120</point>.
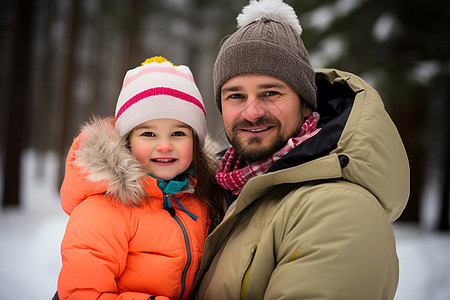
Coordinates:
<point>179,184</point>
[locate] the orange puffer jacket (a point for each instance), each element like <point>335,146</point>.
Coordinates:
<point>116,245</point>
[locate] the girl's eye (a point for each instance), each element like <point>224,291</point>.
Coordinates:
<point>148,133</point>
<point>178,133</point>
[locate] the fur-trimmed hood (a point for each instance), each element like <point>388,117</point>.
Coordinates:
<point>100,162</point>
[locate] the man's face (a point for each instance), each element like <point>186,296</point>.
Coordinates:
<point>260,114</point>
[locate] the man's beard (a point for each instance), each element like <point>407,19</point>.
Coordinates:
<point>258,152</point>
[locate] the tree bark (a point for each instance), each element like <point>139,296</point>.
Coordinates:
<point>69,77</point>
<point>444,220</point>
<point>17,87</point>
<point>44,79</point>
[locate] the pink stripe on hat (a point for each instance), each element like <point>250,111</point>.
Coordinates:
<point>144,71</point>
<point>160,91</point>
<point>168,91</point>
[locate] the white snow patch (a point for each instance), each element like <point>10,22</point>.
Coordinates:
<point>385,27</point>
<point>327,51</point>
<point>323,16</point>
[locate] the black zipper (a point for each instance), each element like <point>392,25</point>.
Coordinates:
<point>189,256</point>
<point>187,243</point>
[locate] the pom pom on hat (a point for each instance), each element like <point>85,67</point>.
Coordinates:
<point>275,10</point>
<point>158,59</point>
<point>158,89</point>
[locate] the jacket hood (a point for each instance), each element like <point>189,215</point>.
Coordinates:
<point>358,142</point>
<point>100,162</point>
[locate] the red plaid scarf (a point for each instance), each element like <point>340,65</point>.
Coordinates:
<point>232,176</point>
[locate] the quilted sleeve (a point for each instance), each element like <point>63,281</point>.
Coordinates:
<point>94,252</point>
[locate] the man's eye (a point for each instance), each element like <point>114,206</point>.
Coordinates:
<point>270,93</point>
<point>235,96</point>
<point>178,133</point>
<point>148,133</point>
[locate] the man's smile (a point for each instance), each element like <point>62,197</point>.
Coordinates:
<point>257,130</point>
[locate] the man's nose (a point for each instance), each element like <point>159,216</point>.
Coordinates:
<point>164,146</point>
<point>254,109</point>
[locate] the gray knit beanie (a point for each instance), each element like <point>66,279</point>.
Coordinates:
<point>267,42</point>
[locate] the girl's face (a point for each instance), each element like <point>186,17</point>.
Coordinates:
<point>164,147</point>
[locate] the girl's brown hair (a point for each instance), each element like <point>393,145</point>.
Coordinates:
<point>205,166</point>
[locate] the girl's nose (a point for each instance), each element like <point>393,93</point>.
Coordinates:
<point>164,146</point>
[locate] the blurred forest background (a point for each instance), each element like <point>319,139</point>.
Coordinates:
<point>63,61</point>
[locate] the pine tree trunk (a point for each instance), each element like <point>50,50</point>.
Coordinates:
<point>444,220</point>
<point>17,87</point>
<point>68,82</point>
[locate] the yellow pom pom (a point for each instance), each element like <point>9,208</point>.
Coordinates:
<point>158,59</point>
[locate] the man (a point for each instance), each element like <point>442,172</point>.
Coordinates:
<point>316,173</point>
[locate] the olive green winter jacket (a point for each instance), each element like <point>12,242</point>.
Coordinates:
<point>317,225</point>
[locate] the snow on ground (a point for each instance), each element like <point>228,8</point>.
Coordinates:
<point>424,263</point>
<point>30,238</point>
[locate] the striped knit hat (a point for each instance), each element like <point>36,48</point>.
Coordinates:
<point>156,90</point>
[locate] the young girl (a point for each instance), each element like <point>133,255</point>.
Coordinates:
<point>140,192</point>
